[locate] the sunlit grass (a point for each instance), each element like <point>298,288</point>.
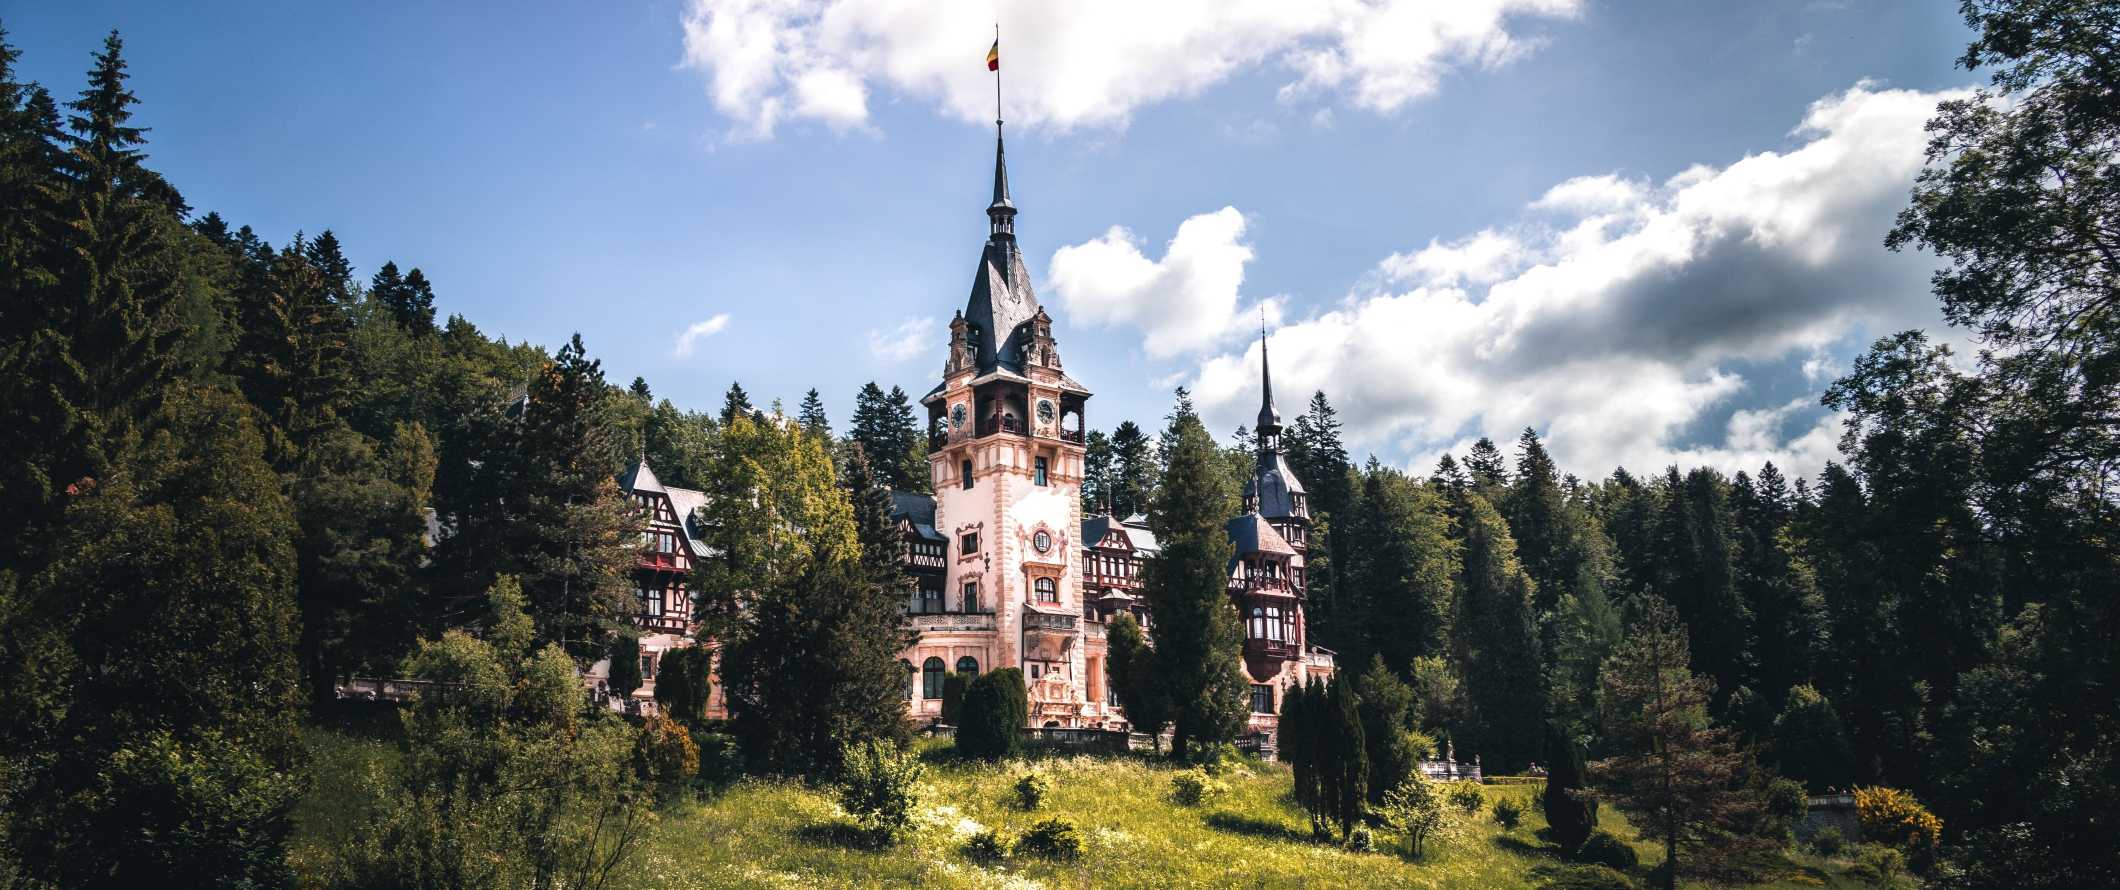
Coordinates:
<point>764,833</point>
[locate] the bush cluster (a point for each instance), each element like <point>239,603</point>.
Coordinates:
<point>1827,842</point>
<point>988,846</point>
<point>1583,877</point>
<point>1031,790</point>
<point>1361,841</point>
<point>1892,816</point>
<point>1508,813</point>
<point>1467,798</point>
<point>1195,787</point>
<point>880,787</point>
<point>1605,848</point>
<point>995,708</point>
<point>1055,838</point>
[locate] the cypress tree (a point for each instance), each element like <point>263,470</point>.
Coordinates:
<point>1345,770</point>
<point>682,683</point>
<point>996,706</point>
<point>1198,647</point>
<point>625,676</point>
<point>1571,812</point>
<point>1386,706</point>
<point>1136,683</point>
<point>1299,743</point>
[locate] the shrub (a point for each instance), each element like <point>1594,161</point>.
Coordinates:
<point>1416,809</point>
<point>1892,816</point>
<point>1194,787</point>
<point>1785,807</point>
<point>1583,877</point>
<point>1467,798</point>
<point>1360,841</point>
<point>1878,864</point>
<point>987,846</point>
<point>720,760</point>
<point>1055,838</point>
<point>992,716</point>
<point>664,754</point>
<point>1031,790</point>
<point>1604,848</point>
<point>1216,759</point>
<point>1508,813</point>
<point>880,787</point>
<point>1827,842</point>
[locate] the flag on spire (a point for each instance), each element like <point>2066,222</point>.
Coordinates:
<point>993,56</point>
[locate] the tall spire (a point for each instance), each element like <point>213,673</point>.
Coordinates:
<point>1269,418</point>
<point>1001,214</point>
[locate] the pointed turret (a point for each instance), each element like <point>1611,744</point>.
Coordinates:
<point>1002,213</point>
<point>1269,426</point>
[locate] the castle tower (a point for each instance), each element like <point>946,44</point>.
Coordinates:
<point>1005,449</point>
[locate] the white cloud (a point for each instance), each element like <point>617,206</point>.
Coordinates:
<point>1484,258</point>
<point>1622,318</point>
<point>910,339</point>
<point>1184,302</point>
<point>700,331</point>
<point>1086,62</point>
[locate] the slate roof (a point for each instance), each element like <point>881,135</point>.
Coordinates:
<point>1095,528</point>
<point>1273,486</point>
<point>1253,534</point>
<point>917,508</point>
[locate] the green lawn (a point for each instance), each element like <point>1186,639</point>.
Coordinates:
<point>780,834</point>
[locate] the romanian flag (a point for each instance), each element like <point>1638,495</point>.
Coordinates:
<point>993,56</point>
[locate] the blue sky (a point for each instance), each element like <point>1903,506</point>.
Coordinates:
<point>1652,230</point>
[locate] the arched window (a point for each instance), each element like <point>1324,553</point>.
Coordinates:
<point>931,679</point>
<point>908,678</point>
<point>968,666</point>
<point>1266,624</point>
<point>1047,591</point>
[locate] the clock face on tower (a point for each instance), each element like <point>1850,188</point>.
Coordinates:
<point>1045,410</point>
<point>957,416</point>
<point>1042,542</point>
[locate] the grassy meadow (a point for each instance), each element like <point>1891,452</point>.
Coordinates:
<point>768,834</point>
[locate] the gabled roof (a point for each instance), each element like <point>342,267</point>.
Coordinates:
<point>639,478</point>
<point>683,501</point>
<point>918,510</point>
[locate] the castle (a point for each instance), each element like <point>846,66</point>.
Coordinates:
<point>1007,570</point>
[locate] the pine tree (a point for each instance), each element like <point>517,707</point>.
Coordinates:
<point>811,415</point>
<point>883,427</point>
<point>417,316</point>
<point>569,533</point>
<point>1696,533</point>
<point>1496,643</point>
<point>362,539</point>
<point>909,465</point>
<point>737,403</point>
<point>1098,474</point>
<point>1393,599</point>
<point>1779,588</point>
<point>1677,776</point>
<point>1319,457</point>
<point>1484,463</point>
<point>1133,470</point>
<point>1198,647</point>
<point>1449,478</point>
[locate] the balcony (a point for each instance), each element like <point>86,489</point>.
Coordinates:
<point>1282,649</point>
<point>665,562</point>
<point>935,622</point>
<point>1074,436</point>
<point>1002,423</point>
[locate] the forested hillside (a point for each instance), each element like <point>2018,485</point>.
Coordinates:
<point>232,472</point>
